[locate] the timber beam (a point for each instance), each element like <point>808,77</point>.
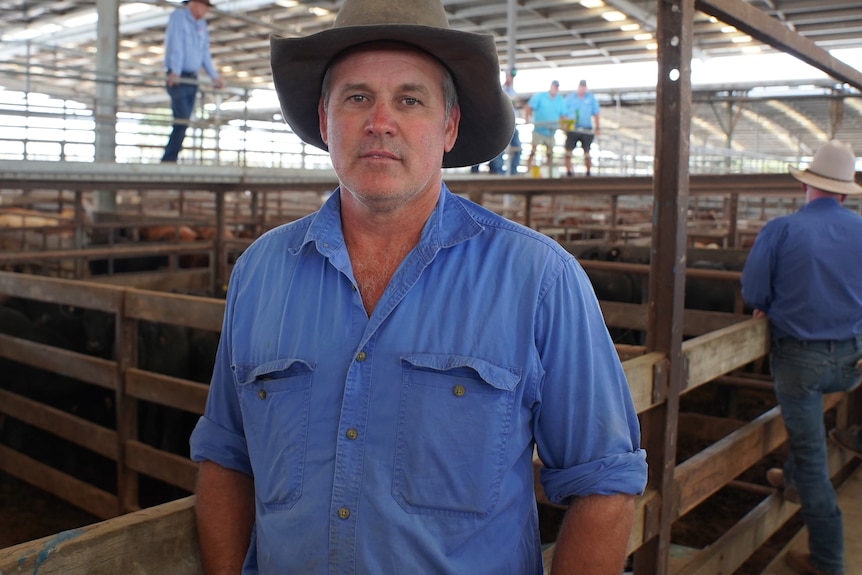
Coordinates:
<point>768,30</point>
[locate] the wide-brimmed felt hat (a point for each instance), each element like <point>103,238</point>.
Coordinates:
<point>833,169</point>
<point>299,64</point>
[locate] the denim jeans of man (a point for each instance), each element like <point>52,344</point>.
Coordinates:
<point>803,372</point>
<point>182,103</point>
<point>514,153</point>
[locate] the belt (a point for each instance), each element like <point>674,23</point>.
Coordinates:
<point>193,75</point>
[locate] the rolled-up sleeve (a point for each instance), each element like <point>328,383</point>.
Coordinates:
<point>757,272</point>
<point>218,435</point>
<point>585,426</point>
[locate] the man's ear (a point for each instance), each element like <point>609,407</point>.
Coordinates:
<point>321,113</point>
<point>452,127</point>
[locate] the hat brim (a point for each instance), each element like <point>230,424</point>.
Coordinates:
<point>487,121</point>
<point>826,184</point>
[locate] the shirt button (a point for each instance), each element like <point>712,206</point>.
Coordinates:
<point>459,390</point>
<point>352,434</point>
<point>343,513</point>
<point>361,356</point>
<point>261,393</point>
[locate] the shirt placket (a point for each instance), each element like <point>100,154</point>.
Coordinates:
<point>349,456</point>
<point>353,423</point>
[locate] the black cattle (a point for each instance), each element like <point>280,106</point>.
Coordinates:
<point>56,391</point>
<point>709,294</point>
<point>614,286</point>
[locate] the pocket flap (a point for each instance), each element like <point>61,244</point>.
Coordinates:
<point>503,378</point>
<point>276,369</point>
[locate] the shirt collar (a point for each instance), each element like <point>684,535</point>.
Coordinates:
<point>449,224</point>
<point>822,203</point>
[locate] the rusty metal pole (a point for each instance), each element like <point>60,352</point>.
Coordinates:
<point>667,271</point>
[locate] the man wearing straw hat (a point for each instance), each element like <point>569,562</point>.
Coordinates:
<point>804,274</point>
<point>388,364</point>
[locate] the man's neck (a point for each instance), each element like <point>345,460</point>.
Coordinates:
<point>378,240</point>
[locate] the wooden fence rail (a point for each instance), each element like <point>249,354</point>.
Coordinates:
<point>737,342</point>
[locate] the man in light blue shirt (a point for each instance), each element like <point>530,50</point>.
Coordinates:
<point>804,274</point>
<point>582,115</point>
<point>388,364</point>
<point>187,50</point>
<point>547,111</point>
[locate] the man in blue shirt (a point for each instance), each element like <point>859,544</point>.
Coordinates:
<point>187,50</point>
<point>582,113</point>
<point>547,111</point>
<point>388,364</point>
<point>804,274</point>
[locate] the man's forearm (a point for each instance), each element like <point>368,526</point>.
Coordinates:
<point>594,536</point>
<point>225,515</point>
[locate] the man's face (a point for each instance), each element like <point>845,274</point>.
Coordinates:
<point>198,9</point>
<point>385,124</point>
<point>554,89</point>
<point>582,89</point>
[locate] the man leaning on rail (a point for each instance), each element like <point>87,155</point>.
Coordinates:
<point>373,409</point>
<point>804,274</point>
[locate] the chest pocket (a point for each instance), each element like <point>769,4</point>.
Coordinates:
<point>274,398</point>
<point>453,424</point>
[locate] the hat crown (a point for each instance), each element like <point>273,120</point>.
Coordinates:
<point>376,12</point>
<point>834,160</point>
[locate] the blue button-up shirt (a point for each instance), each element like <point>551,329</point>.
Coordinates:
<point>805,272</point>
<point>582,110</point>
<point>403,442</point>
<point>187,44</point>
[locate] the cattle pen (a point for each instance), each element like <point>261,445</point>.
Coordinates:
<point>720,353</point>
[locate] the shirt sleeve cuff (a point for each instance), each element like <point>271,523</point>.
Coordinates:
<point>210,441</point>
<point>620,473</point>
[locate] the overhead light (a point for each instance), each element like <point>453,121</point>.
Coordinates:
<point>613,16</point>
<point>652,46</point>
<point>728,29</point>
<point>287,3</point>
<point>81,20</point>
<point>586,53</point>
<point>592,3</point>
<point>242,74</point>
<point>318,11</point>
<point>642,37</point>
<point>30,33</point>
<point>713,19</point>
<point>740,39</point>
<point>226,69</point>
<point>630,27</point>
<point>156,49</point>
<point>751,49</point>
<point>134,8</point>
<point>128,43</point>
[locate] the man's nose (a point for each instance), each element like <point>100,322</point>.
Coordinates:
<point>381,119</point>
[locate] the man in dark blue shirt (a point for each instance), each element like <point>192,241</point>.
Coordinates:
<point>803,273</point>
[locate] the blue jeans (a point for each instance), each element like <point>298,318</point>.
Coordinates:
<point>182,103</point>
<point>803,372</point>
<point>515,159</point>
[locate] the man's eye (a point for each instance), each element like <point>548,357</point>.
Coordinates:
<point>357,98</point>
<point>411,101</point>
